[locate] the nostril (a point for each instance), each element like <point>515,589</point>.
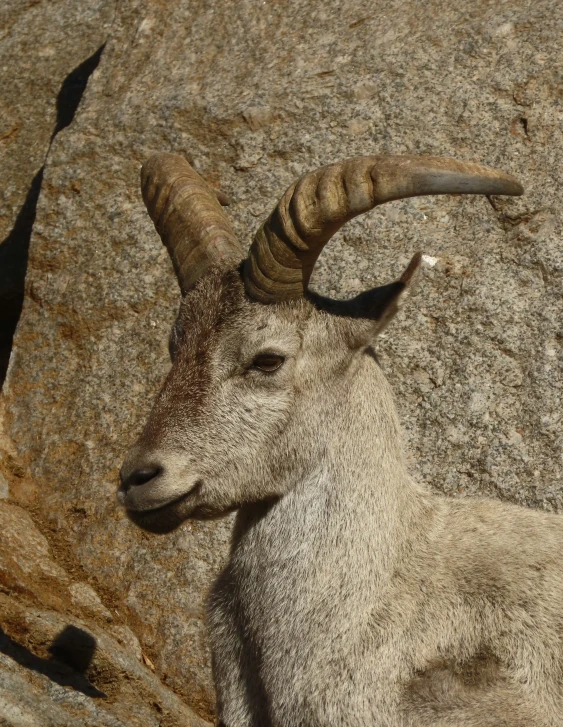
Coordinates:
<point>140,476</point>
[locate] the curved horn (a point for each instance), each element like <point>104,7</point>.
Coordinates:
<point>188,218</point>
<point>286,247</point>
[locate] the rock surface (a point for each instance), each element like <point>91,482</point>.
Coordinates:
<point>254,95</point>
<point>65,658</point>
<point>47,51</point>
<point>41,44</point>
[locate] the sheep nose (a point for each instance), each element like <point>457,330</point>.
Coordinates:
<point>138,477</point>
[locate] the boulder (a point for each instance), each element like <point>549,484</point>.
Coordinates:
<point>47,52</point>
<point>255,95</point>
<point>66,658</point>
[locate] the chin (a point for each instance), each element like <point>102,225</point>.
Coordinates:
<point>168,518</point>
<point>164,519</point>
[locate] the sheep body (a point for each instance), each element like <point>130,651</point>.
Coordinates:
<point>359,598</point>
<point>352,596</point>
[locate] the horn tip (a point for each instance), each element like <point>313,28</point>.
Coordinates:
<point>509,186</point>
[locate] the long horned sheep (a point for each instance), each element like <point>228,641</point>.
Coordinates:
<point>352,595</point>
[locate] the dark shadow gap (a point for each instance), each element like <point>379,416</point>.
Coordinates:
<point>14,250</point>
<point>72,90</point>
<point>13,265</point>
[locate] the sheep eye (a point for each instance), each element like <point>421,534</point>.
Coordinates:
<point>268,362</point>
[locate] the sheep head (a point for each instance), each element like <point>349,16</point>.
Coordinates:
<point>264,371</point>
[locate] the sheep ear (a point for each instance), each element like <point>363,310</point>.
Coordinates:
<point>366,315</point>
<point>403,288</point>
<point>380,305</point>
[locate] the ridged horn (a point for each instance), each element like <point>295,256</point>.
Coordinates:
<point>188,218</point>
<point>286,247</point>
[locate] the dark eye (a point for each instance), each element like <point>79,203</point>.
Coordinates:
<point>268,362</point>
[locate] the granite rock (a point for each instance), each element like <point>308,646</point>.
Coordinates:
<point>41,44</point>
<point>65,658</point>
<point>254,95</point>
<point>47,51</point>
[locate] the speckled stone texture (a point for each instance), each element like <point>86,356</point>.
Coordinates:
<point>66,659</point>
<point>47,49</point>
<point>254,94</point>
<point>41,43</point>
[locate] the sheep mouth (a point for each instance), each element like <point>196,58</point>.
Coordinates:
<point>166,518</point>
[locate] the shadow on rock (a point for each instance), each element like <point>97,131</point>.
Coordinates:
<point>13,265</point>
<point>14,250</point>
<point>72,653</point>
<point>72,90</point>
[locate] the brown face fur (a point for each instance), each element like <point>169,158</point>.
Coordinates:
<point>223,432</point>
